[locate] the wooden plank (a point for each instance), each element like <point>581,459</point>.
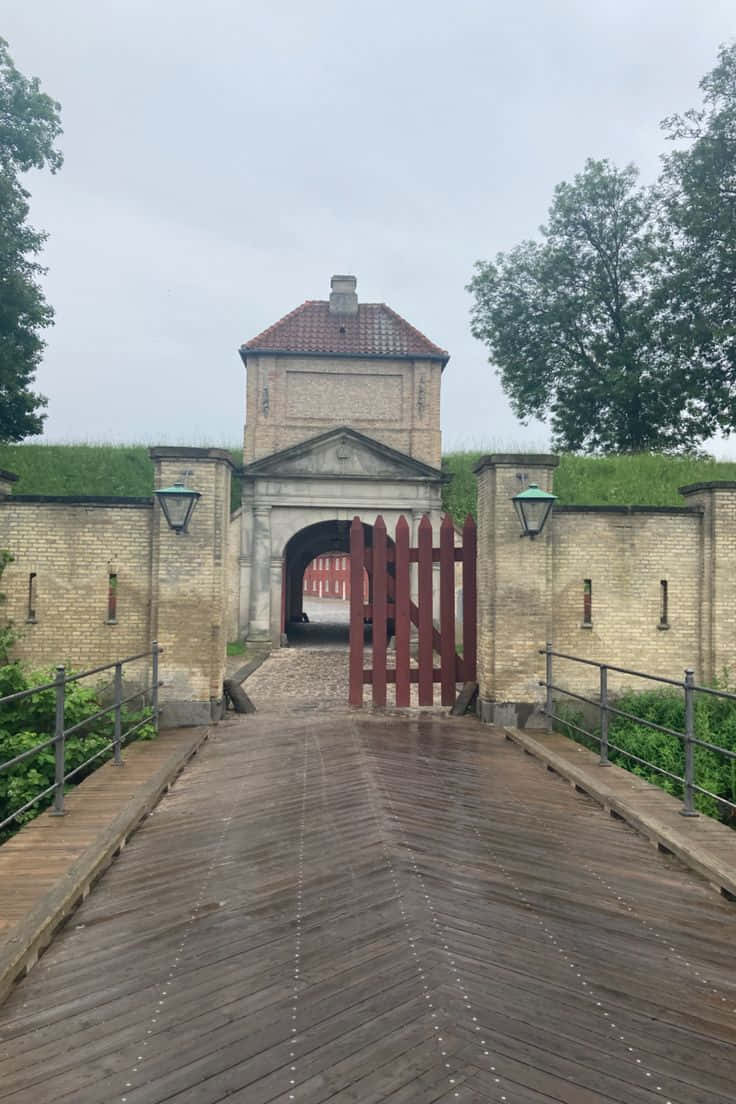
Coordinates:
<point>447,610</point>
<point>379,612</point>
<point>470,611</point>
<point>424,643</point>
<point>357,547</point>
<point>402,599</point>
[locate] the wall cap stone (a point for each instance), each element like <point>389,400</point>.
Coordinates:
<point>185,452</point>
<point>713,485</point>
<point>516,459</point>
<point>605,509</point>
<point>80,500</point>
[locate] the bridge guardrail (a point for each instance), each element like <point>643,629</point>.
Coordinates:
<point>606,709</point>
<point>58,740</point>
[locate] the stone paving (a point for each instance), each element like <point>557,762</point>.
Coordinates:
<point>312,673</point>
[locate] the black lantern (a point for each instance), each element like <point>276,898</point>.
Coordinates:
<point>177,503</point>
<point>533,507</point>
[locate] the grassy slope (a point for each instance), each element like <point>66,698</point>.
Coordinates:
<point>644,480</point>
<point>648,480</point>
<point>124,470</point>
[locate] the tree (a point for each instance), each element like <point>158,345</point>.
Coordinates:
<point>699,200</point>
<point>575,323</point>
<point>29,127</point>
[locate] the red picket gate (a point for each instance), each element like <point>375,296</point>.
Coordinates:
<point>387,564</point>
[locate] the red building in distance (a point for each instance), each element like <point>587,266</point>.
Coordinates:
<point>328,576</point>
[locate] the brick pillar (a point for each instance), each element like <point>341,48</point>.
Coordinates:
<point>189,587</point>
<point>514,591</point>
<point>718,577</point>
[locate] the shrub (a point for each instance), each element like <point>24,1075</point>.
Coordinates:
<point>30,721</point>
<point>715,722</point>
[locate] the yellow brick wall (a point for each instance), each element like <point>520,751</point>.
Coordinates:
<point>626,556</point>
<point>396,402</point>
<point>531,591</point>
<point>190,581</point>
<point>72,549</point>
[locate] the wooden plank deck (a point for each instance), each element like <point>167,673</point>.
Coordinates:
<point>363,909</point>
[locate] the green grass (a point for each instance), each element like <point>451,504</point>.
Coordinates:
<point>647,479</point>
<point>116,470</point>
<point>126,470</point>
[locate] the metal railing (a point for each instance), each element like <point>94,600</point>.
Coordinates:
<point>688,738</point>
<point>58,740</point>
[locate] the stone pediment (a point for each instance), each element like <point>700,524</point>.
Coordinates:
<point>341,454</point>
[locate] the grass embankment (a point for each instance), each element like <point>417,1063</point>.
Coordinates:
<point>126,470</point>
<point>644,480</point>
<point>115,470</point>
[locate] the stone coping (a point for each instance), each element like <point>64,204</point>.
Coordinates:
<point>700,843</point>
<point>186,452</point>
<point>694,511</point>
<point>712,485</point>
<point>48,867</point>
<point>81,500</point>
<point>514,459</point>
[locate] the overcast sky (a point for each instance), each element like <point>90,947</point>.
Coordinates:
<point>223,159</point>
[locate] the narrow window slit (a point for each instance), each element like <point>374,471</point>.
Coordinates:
<point>663,605</point>
<point>587,602</point>
<point>31,614</point>
<point>112,597</point>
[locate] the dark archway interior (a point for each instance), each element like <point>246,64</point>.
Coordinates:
<point>304,546</point>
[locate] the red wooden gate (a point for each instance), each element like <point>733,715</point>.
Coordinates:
<point>388,567</point>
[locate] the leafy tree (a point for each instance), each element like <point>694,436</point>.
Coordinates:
<point>29,127</point>
<point>699,201</point>
<point>575,325</point>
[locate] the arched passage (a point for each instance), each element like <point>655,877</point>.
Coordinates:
<point>314,540</point>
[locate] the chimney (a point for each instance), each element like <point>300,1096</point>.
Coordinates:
<point>343,296</point>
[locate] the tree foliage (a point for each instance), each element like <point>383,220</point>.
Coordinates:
<point>29,127</point>
<point>698,188</point>
<point>618,325</point>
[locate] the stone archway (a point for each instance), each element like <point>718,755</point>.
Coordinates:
<point>317,539</point>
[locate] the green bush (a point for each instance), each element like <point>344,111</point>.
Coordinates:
<point>715,722</point>
<point>30,721</point>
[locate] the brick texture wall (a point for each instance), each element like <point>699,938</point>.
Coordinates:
<point>531,591</point>
<point>289,399</point>
<point>72,549</point>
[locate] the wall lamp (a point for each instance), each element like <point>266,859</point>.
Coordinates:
<point>533,507</point>
<point>177,503</point>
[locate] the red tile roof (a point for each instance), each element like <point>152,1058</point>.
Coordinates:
<point>376,331</point>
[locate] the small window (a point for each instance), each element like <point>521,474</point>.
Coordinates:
<point>663,605</point>
<point>587,602</point>
<point>112,597</point>
<point>31,613</point>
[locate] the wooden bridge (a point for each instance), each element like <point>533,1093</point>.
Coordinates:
<point>356,908</point>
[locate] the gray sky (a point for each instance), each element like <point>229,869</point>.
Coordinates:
<point>224,159</point>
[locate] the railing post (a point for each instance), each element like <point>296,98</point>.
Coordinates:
<point>154,681</point>
<point>118,726</point>
<point>688,808</point>
<point>60,680</point>
<point>604,761</point>
<point>548,683</point>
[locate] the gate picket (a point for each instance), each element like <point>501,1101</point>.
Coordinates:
<point>447,609</point>
<point>401,606</point>
<point>357,559</point>
<point>380,611</point>
<point>388,568</point>
<point>426,696</point>
<point>470,612</point>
